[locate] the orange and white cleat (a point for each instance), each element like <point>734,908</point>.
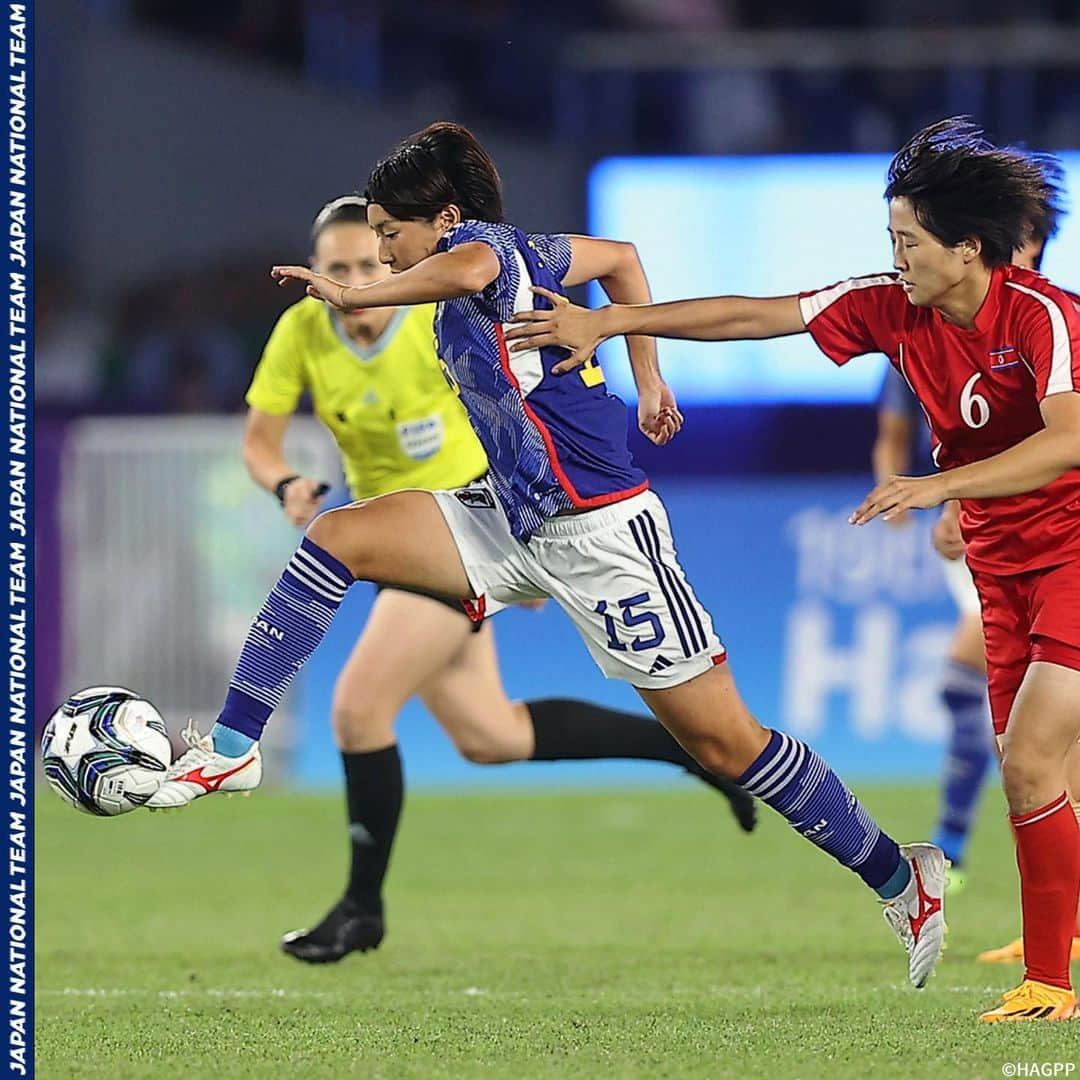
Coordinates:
<point>1013,953</point>
<point>203,771</point>
<point>1033,1001</point>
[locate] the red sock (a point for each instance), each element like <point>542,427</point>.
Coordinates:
<point>1076,811</point>
<point>1048,854</point>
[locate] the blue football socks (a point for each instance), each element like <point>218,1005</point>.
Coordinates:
<point>291,623</point>
<point>969,753</point>
<point>229,741</point>
<point>796,782</point>
<point>897,883</point>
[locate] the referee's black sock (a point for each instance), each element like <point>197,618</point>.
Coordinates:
<point>374,792</point>
<point>566,729</point>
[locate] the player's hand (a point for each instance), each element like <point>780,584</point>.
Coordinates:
<point>302,500</point>
<point>533,605</point>
<point>318,285</point>
<point>566,325</point>
<point>946,538</point>
<point>900,493</point>
<point>658,415</point>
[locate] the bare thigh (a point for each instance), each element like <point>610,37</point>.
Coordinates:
<point>467,698</point>
<point>1041,734</point>
<point>399,539</point>
<point>406,640</point>
<point>709,718</point>
<point>967,643</point>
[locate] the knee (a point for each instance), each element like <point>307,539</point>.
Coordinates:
<point>491,734</point>
<point>324,530</point>
<point>481,743</point>
<point>484,747</point>
<point>727,749</point>
<point>341,533</point>
<point>358,729</point>
<point>1022,774</point>
<point>718,756</point>
<point>480,752</point>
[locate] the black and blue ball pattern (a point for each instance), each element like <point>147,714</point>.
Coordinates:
<point>104,751</point>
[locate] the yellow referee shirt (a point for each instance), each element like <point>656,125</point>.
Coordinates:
<point>393,415</point>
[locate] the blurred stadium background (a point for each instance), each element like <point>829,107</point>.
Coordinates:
<point>741,145</point>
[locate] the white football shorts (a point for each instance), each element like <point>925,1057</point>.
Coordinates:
<point>961,586</point>
<point>613,570</point>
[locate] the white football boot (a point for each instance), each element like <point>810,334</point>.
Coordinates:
<point>203,771</point>
<point>917,915</point>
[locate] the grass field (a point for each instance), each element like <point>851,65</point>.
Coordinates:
<point>569,934</point>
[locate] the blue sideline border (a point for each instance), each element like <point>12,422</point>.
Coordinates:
<point>17,791</point>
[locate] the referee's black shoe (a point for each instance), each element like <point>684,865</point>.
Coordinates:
<point>347,928</point>
<point>743,805</point>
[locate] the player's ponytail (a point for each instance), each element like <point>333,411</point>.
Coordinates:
<point>433,168</point>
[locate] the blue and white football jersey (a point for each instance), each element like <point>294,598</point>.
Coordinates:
<point>553,442</point>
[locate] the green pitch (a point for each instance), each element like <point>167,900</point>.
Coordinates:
<point>572,934</point>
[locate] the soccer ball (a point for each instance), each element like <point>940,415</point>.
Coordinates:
<point>105,750</point>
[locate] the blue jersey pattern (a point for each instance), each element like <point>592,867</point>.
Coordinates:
<point>896,397</point>
<point>553,442</point>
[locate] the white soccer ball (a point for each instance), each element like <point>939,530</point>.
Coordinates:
<point>105,750</point>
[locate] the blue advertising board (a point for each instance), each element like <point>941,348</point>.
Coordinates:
<point>763,226</point>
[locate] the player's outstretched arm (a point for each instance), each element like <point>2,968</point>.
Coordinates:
<point>617,268</point>
<point>718,318</point>
<point>1031,464</point>
<point>464,270</point>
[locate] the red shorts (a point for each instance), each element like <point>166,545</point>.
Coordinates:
<point>1027,617</point>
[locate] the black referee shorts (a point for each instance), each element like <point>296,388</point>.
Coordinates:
<point>446,601</point>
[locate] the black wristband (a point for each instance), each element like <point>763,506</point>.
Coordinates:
<point>282,484</point>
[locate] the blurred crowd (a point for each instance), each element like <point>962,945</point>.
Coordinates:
<point>188,342</point>
<point>507,62</point>
<point>184,342</point>
<point>276,27</point>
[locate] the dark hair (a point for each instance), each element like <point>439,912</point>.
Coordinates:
<point>433,168</point>
<point>349,208</point>
<point>1045,226</point>
<point>961,186</point>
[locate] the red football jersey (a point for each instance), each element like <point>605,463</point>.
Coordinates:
<point>980,390</point>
